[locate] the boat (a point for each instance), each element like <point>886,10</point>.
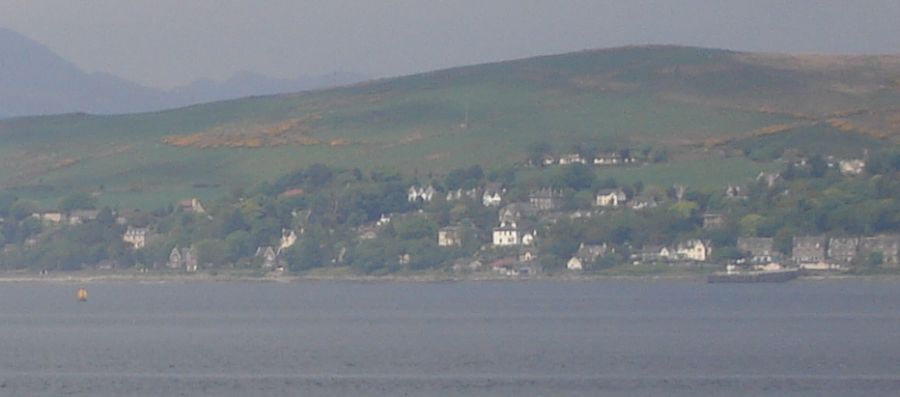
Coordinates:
<point>82,295</point>
<point>763,276</point>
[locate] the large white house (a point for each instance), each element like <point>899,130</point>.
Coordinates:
<point>696,250</point>
<point>506,235</point>
<point>417,193</point>
<point>610,198</point>
<point>136,236</point>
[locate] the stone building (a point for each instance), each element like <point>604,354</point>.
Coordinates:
<point>546,199</point>
<point>888,245</point>
<point>759,249</point>
<point>809,252</point>
<point>842,250</point>
<point>450,236</point>
<point>585,255</point>
<point>183,258</point>
<point>713,220</point>
<point>268,256</point>
<point>694,250</point>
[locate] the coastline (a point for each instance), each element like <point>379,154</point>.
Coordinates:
<point>160,278</point>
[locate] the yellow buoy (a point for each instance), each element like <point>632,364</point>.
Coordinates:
<point>82,295</point>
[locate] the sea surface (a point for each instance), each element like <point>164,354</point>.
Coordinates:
<point>608,338</point>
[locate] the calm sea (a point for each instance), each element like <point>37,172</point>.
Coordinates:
<point>474,339</point>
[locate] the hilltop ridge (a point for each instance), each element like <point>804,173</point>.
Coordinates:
<point>34,80</point>
<point>682,99</point>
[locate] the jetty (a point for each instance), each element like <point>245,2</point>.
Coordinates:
<point>765,276</point>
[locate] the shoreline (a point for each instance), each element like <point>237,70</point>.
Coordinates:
<point>162,278</point>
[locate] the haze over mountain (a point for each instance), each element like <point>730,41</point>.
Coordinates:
<point>34,81</point>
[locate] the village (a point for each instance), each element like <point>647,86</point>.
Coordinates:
<point>468,224</point>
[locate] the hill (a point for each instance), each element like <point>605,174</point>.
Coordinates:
<point>697,104</point>
<point>34,81</point>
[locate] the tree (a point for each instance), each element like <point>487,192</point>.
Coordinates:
<point>239,244</point>
<point>212,252</point>
<point>77,201</point>
<point>784,240</point>
<point>750,225</point>
<point>563,239</point>
<point>62,254</point>
<point>578,176</point>
<point>318,175</point>
<point>22,209</point>
<point>874,260</point>
<point>537,151</point>
<point>307,253</point>
<point>726,254</point>
<point>817,166</point>
<point>155,252</point>
<point>416,228</point>
<point>465,178</point>
<point>105,217</point>
<point>6,201</point>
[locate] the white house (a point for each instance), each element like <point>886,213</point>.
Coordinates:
<point>586,254</point>
<point>450,236</point>
<point>417,193</point>
<point>527,254</point>
<point>136,236</point>
<point>528,238</point>
<point>185,258</point>
<point>852,167</point>
<point>78,217</point>
<point>192,205</point>
<point>49,218</point>
<point>639,204</point>
<point>610,198</point>
<point>575,263</point>
<point>268,255</point>
<point>383,220</point>
<point>288,238</point>
<point>572,158</point>
<point>696,250</point>
<point>459,194</point>
<point>607,158</point>
<point>506,235</point>
<point>493,195</point>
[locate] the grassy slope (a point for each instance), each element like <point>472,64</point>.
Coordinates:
<point>665,96</point>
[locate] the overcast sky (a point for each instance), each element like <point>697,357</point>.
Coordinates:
<point>164,43</point>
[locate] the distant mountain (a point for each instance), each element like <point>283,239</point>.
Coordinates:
<point>246,84</point>
<point>36,81</point>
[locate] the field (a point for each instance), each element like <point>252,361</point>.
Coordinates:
<point>687,100</point>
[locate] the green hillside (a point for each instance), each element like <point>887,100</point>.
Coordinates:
<point>692,102</point>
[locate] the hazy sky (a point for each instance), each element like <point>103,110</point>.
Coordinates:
<point>164,43</point>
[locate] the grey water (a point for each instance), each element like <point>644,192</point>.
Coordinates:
<point>615,338</point>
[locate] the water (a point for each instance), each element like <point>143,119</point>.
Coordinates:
<point>473,339</point>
